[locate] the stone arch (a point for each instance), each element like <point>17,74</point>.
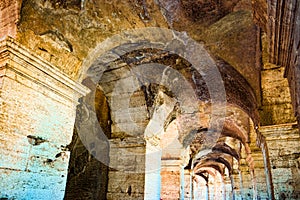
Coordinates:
<point>113,51</point>
<point>128,49</point>
<point>214,182</point>
<point>115,47</point>
<point>224,148</point>
<point>238,128</point>
<point>239,93</point>
<point>236,125</point>
<point>217,158</point>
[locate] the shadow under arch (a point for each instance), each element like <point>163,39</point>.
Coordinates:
<point>116,46</point>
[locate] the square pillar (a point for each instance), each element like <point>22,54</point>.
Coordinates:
<point>171,180</point>
<point>247,181</point>
<point>228,188</point>
<point>126,177</point>
<point>236,184</point>
<point>152,171</point>
<point>188,181</point>
<point>37,115</point>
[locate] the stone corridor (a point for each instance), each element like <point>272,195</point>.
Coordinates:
<point>149,99</point>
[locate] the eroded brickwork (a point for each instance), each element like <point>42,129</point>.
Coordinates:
<point>34,154</point>
<point>255,156</point>
<point>283,144</point>
<point>9,17</point>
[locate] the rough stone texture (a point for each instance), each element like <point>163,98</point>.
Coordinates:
<point>276,105</point>
<point>34,154</point>
<point>260,13</point>
<point>280,20</point>
<point>233,38</point>
<point>48,28</point>
<point>237,187</point>
<point>87,177</point>
<point>126,186</point>
<point>65,32</point>
<point>9,17</point>
<point>127,169</point>
<point>188,191</point>
<point>170,180</point>
<point>95,21</point>
<point>260,172</point>
<point>293,72</point>
<point>283,145</point>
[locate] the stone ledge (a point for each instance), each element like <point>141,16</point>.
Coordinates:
<point>127,142</point>
<point>34,68</point>
<point>283,128</point>
<point>282,132</point>
<point>171,164</point>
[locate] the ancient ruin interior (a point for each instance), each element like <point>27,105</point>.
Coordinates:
<point>149,99</point>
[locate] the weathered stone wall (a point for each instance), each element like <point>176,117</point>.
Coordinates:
<point>280,21</point>
<point>260,165</point>
<point>9,17</point>
<point>188,181</point>
<point>283,144</point>
<point>170,184</point>
<point>276,106</point>
<point>277,113</point>
<point>37,116</point>
<point>37,110</point>
<point>278,129</point>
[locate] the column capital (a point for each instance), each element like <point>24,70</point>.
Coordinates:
<point>175,164</point>
<point>154,140</point>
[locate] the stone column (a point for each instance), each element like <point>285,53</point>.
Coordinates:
<point>200,187</point>
<point>228,188</point>
<point>260,175</point>
<point>127,169</point>
<point>152,170</point>
<point>283,146</point>
<point>211,187</point>
<point>188,184</point>
<point>218,187</point>
<point>171,182</point>
<point>261,142</point>
<point>235,176</point>
<point>236,181</point>
<point>155,145</point>
<point>37,115</point>
<point>247,181</point>
<point>259,165</point>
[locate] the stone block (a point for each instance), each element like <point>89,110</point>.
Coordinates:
<point>40,104</point>
<point>128,129</point>
<point>281,175</point>
<point>137,115</point>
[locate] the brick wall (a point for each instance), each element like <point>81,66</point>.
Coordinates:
<point>9,16</point>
